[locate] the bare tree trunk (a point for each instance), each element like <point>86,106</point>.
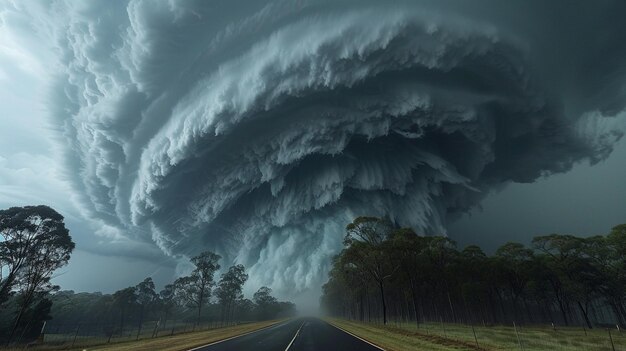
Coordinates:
<point>200,301</point>
<point>25,304</point>
<point>451,307</point>
<point>416,311</point>
<point>414,298</point>
<point>140,322</point>
<point>563,312</point>
<point>369,306</point>
<point>382,299</point>
<point>361,308</point>
<point>121,320</point>
<point>585,315</point>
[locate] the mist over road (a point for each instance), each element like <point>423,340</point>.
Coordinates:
<point>301,334</point>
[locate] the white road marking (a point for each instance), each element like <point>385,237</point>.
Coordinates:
<point>237,336</point>
<point>365,341</point>
<point>294,337</point>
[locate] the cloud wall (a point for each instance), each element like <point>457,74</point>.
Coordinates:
<point>260,129</point>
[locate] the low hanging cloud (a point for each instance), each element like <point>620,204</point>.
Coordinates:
<point>260,129</point>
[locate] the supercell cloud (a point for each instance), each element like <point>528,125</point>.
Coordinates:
<point>260,129</point>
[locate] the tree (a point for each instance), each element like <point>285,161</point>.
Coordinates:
<point>33,237</point>
<point>34,244</point>
<point>366,242</point>
<point>245,309</point>
<point>407,249</point>
<point>195,289</point>
<point>515,262</point>
<point>582,278</point>
<point>124,299</point>
<point>36,315</point>
<point>440,253</point>
<point>607,256</point>
<point>265,302</point>
<point>334,297</point>
<point>229,289</point>
<point>572,275</point>
<point>473,267</point>
<point>167,299</point>
<point>372,230</point>
<point>146,297</point>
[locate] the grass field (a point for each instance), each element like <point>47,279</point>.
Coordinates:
<point>177,342</point>
<point>440,337</point>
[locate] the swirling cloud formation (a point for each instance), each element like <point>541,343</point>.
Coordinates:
<point>260,129</point>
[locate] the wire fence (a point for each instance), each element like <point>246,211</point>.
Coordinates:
<point>521,337</point>
<point>473,336</point>
<point>89,334</point>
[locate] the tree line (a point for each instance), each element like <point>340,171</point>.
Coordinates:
<point>195,298</point>
<point>34,243</point>
<point>388,272</point>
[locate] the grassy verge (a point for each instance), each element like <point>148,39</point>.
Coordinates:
<point>399,339</point>
<point>437,336</point>
<point>177,342</point>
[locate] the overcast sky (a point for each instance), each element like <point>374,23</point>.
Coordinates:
<point>260,129</point>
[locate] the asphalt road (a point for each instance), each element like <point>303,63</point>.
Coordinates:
<point>302,334</point>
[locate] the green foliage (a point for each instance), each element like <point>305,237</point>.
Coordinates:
<point>146,296</point>
<point>229,289</point>
<point>34,243</point>
<point>560,279</point>
<point>267,307</point>
<point>195,289</point>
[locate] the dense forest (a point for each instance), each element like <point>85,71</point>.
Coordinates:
<point>385,272</point>
<point>34,243</point>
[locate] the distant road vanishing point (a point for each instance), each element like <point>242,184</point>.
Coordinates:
<point>302,334</point>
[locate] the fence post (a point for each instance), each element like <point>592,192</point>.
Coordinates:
<point>611,338</point>
<point>519,341</point>
<point>75,335</point>
<point>42,336</point>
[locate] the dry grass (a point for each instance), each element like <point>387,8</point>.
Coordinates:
<point>177,342</point>
<point>435,336</point>
<point>397,339</point>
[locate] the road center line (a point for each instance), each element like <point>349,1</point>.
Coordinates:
<point>365,341</point>
<point>237,336</point>
<point>294,337</point>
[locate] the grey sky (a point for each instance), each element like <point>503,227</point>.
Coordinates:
<point>588,200</point>
<point>259,129</point>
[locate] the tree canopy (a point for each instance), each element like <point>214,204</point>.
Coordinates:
<point>559,279</point>
<point>34,244</point>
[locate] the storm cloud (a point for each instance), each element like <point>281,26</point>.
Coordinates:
<point>260,129</point>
